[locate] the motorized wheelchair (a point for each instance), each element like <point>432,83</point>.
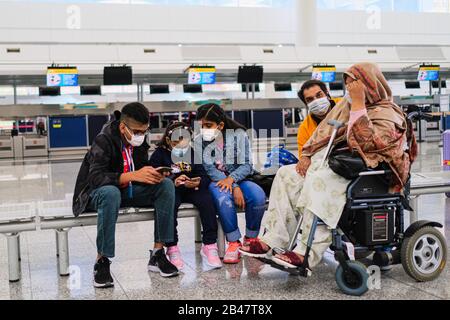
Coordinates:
<point>372,225</point>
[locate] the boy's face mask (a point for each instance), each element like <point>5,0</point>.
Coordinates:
<point>136,140</point>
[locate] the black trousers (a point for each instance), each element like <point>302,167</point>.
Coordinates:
<point>203,201</point>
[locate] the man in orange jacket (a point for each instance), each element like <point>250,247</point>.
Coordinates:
<point>316,97</point>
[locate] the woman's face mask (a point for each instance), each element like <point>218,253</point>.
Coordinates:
<point>320,107</point>
<point>348,97</point>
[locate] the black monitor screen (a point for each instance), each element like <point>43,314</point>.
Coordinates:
<point>159,89</point>
<point>117,76</point>
<point>192,88</point>
<point>250,74</point>
<point>279,87</point>
<point>336,86</point>
<point>244,88</point>
<point>435,84</point>
<point>90,91</point>
<point>49,91</point>
<point>412,85</point>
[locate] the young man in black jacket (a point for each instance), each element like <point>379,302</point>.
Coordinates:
<point>116,173</point>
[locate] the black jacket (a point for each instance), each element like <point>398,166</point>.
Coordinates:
<point>103,165</point>
<point>163,158</point>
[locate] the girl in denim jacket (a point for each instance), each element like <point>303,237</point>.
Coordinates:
<point>227,160</point>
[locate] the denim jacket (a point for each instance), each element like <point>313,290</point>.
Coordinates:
<point>236,158</point>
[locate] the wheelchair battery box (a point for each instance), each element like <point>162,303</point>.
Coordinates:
<point>374,227</point>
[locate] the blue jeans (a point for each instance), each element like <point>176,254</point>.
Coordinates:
<point>108,200</point>
<point>255,206</point>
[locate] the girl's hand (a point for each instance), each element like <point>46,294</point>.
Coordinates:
<point>192,184</point>
<point>181,180</point>
<point>226,184</point>
<point>239,198</point>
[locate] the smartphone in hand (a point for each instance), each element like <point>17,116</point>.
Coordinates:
<point>163,170</point>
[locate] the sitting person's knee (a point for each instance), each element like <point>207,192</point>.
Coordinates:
<point>109,192</point>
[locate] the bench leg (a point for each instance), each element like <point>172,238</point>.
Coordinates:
<point>198,229</point>
<point>62,251</point>
<point>18,247</point>
<point>220,240</point>
<point>13,257</point>
<point>414,215</point>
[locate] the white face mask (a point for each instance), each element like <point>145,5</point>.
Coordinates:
<point>320,107</point>
<point>348,97</point>
<point>136,141</point>
<point>210,135</point>
<point>180,152</point>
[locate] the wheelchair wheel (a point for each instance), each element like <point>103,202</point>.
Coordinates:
<point>424,254</point>
<point>353,283</point>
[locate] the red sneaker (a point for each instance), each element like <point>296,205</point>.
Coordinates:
<point>254,248</point>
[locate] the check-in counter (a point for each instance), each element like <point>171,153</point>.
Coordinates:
<point>6,147</point>
<point>35,146</point>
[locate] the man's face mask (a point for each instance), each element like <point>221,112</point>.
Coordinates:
<point>320,107</point>
<point>136,140</point>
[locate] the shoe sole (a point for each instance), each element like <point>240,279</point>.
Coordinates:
<point>155,269</point>
<point>205,260</point>
<point>253,255</point>
<point>103,286</point>
<point>231,261</point>
<point>284,263</point>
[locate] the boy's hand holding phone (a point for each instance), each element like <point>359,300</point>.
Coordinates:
<point>147,175</point>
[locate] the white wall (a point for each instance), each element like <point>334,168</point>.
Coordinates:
<point>114,23</point>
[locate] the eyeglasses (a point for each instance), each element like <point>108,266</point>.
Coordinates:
<point>137,132</point>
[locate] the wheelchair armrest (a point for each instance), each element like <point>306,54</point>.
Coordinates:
<point>375,173</point>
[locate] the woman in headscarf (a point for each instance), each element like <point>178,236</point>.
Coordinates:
<point>375,127</point>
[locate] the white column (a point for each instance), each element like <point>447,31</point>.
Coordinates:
<point>306,23</point>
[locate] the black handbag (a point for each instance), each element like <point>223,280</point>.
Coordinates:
<point>346,163</point>
<point>264,181</point>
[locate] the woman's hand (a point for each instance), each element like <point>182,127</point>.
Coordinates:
<point>181,180</point>
<point>357,91</point>
<point>239,198</point>
<point>226,184</point>
<point>303,166</point>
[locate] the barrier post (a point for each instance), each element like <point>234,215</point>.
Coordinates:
<point>13,243</point>
<point>62,249</point>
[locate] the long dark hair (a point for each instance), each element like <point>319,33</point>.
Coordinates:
<point>213,112</point>
<point>176,125</point>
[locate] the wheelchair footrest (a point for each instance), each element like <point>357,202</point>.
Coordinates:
<point>302,272</point>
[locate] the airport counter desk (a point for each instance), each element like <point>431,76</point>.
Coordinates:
<point>57,215</point>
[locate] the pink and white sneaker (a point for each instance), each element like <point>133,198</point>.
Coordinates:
<point>233,255</point>
<point>174,255</point>
<point>210,255</point>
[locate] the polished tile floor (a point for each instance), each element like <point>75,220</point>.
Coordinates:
<point>25,187</point>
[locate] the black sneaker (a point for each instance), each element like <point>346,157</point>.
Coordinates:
<point>102,274</point>
<point>159,263</point>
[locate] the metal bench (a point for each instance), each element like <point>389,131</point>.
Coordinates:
<point>57,215</point>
